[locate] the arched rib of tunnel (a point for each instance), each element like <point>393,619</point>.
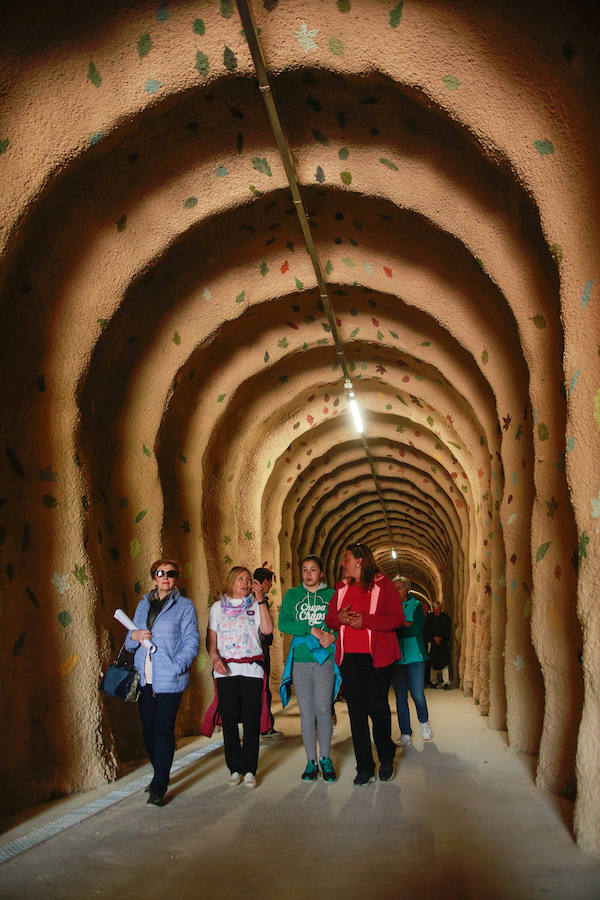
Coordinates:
<point>181,389</point>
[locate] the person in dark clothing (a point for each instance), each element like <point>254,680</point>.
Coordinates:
<point>169,620</point>
<point>366,611</point>
<point>438,631</point>
<point>265,576</point>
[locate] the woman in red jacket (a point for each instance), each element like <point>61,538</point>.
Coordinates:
<point>366,610</point>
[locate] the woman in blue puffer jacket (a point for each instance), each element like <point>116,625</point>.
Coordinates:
<point>169,620</point>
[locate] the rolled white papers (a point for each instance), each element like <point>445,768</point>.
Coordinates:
<point>124,619</point>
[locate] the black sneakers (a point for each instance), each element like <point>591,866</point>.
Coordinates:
<point>363,780</point>
<point>386,770</point>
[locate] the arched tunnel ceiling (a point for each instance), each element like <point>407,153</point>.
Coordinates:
<point>167,325</point>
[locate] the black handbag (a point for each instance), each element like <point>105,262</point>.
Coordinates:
<point>122,680</point>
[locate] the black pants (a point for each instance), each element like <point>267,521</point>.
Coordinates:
<point>266,648</point>
<point>158,713</point>
<point>240,700</point>
<point>366,692</point>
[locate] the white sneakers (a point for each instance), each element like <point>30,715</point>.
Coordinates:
<point>426,731</point>
<point>235,778</point>
<point>404,740</point>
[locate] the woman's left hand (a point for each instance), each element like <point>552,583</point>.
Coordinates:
<point>257,590</point>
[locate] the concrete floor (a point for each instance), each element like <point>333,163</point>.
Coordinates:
<point>461,818</point>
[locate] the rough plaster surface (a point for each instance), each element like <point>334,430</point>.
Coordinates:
<point>170,380</point>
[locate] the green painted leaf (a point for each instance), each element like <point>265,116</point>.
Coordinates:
<point>343,5</point>
<point>93,75</point>
<point>264,268</point>
<point>394,334</point>
<point>430,421</point>
<point>425,343</point>
<point>121,223</point>
<point>485,357</point>
<point>542,550</point>
<point>388,162</point>
<point>49,501</point>
<point>190,202</point>
<point>283,343</point>
<point>144,45</point>
<point>221,397</point>
<point>261,165</point>
<point>140,515</point>
<point>266,356</point>
<point>320,137</point>
<point>583,544</point>
<point>328,267</point>
<point>137,587</point>
<point>230,60</point>
<point>199,27</point>
<point>396,14</point>
<point>202,63</point>
<point>134,548</point>
<point>64,618</point>
<point>354,332</point>
<point>226,8</point>
<point>182,458</point>
<point>176,339</point>
<point>4,142</point>
<point>597,409</point>
<point>544,148</point>
<point>18,645</point>
<point>346,177</point>
<point>587,293</point>
<point>299,284</point>
<point>336,46</point>
<point>543,431</point>
<point>240,297</point>
<point>80,574</point>
<point>145,450</point>
<point>343,153</point>
<point>539,321</point>
<point>32,597</point>
<point>451,82</point>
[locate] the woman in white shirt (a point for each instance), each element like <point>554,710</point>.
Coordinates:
<point>235,624</point>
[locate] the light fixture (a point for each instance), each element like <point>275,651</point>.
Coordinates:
<point>354,408</point>
<point>394,554</point>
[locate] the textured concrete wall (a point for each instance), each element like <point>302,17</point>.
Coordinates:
<point>169,381</point>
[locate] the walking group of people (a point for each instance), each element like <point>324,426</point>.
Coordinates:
<point>367,634</point>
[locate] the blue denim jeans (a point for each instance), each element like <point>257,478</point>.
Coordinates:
<point>405,678</point>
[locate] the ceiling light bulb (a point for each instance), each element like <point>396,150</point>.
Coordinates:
<point>394,554</point>
<point>356,416</point>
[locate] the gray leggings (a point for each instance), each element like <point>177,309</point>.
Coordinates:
<point>313,685</point>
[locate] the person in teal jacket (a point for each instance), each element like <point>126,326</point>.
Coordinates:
<point>409,671</point>
<point>310,664</point>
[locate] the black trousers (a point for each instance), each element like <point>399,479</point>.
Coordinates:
<point>266,648</point>
<point>158,713</point>
<point>240,700</point>
<point>366,693</point>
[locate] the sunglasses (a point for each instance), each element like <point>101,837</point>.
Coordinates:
<point>170,573</point>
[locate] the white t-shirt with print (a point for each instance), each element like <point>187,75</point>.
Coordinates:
<point>237,636</point>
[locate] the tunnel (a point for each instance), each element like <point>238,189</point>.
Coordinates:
<point>223,222</point>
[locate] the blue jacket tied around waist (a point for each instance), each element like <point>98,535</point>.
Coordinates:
<point>320,655</point>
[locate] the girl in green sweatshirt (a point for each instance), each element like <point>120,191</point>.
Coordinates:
<point>302,615</point>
